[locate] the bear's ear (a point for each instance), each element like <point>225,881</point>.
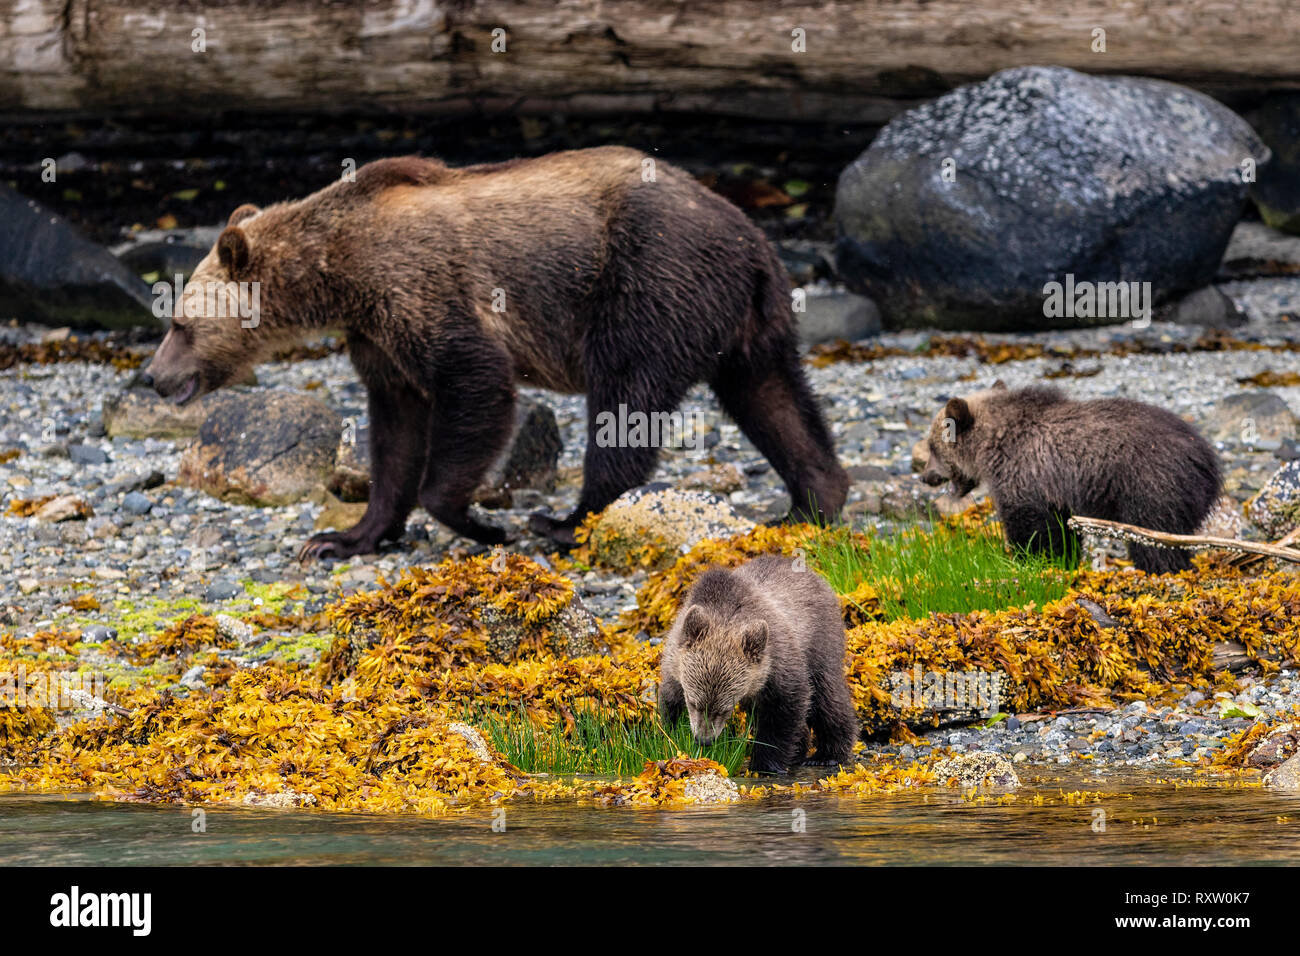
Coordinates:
<point>232,251</point>
<point>246,211</point>
<point>694,626</point>
<point>753,641</point>
<point>958,412</point>
<point>999,386</point>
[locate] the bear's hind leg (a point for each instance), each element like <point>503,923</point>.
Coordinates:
<point>612,467</point>
<point>399,418</point>
<point>778,412</point>
<point>832,715</point>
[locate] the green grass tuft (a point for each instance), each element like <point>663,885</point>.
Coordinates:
<point>598,745</point>
<point>940,570</point>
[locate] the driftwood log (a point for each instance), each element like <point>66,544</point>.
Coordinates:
<point>854,60</point>
<point>1162,539</point>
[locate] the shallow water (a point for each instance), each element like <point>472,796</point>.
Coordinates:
<point>1161,825</point>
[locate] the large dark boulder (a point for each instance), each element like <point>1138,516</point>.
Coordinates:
<point>1053,173</point>
<point>52,274</point>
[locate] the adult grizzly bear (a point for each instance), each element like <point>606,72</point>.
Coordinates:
<point>597,271</point>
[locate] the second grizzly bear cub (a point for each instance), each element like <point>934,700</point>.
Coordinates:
<point>1045,458</point>
<point>771,639</point>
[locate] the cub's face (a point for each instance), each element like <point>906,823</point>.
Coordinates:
<point>721,664</point>
<point>213,338</point>
<point>949,450</point>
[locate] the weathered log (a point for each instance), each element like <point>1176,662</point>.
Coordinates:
<point>1130,532</point>
<point>861,60</point>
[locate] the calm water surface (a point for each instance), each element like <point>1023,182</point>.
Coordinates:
<point>1161,824</point>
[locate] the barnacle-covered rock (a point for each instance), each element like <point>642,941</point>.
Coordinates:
<point>681,780</point>
<point>651,526</point>
<point>1275,510</point>
<point>1286,776</point>
<point>981,768</point>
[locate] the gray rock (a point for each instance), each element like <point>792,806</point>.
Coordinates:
<point>528,463</point>
<point>87,455</point>
<point>530,459</point>
<point>222,590</point>
<point>1054,173</point>
<point>264,448</point>
<point>1251,418</point>
<point>52,274</point>
<point>98,633</point>
<point>143,413</point>
<point>1208,307</point>
<point>838,316</point>
<point>137,504</point>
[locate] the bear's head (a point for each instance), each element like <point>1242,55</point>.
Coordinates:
<point>216,334</point>
<point>950,445</point>
<point>721,663</point>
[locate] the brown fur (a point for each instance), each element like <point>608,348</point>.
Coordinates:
<point>1044,458</point>
<point>626,290</point>
<point>770,639</point>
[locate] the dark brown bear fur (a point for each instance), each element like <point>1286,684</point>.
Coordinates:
<point>1044,458</point>
<point>626,290</point>
<point>768,638</point>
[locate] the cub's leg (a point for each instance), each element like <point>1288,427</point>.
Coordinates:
<point>1039,529</point>
<point>780,728</point>
<point>672,702</point>
<point>472,385</point>
<point>831,712</point>
<point>1159,560</point>
<point>399,422</point>
<point>778,412</point>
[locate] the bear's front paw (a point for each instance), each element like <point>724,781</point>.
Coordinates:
<point>330,545</point>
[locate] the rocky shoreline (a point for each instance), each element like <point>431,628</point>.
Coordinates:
<point>165,550</point>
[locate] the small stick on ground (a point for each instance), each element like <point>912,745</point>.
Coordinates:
<point>1290,539</point>
<point>1163,539</point>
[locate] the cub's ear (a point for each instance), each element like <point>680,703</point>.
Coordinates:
<point>694,626</point>
<point>247,210</point>
<point>999,386</point>
<point>754,641</point>
<point>958,412</point>
<point>232,251</point>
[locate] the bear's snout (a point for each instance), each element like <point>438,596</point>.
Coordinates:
<point>933,477</point>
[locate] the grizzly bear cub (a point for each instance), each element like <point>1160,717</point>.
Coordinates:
<point>769,638</point>
<point>602,272</point>
<point>1044,457</point>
